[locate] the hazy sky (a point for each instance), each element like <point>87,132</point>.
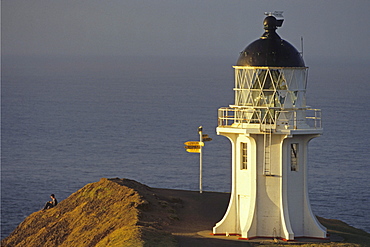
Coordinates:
<point>331,28</point>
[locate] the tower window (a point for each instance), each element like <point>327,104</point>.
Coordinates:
<point>294,156</point>
<point>244,158</point>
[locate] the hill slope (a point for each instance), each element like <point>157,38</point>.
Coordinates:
<point>111,212</point>
<point>123,212</point>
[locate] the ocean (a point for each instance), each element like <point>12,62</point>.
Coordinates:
<point>69,121</point>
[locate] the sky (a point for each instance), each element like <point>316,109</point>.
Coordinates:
<point>331,29</point>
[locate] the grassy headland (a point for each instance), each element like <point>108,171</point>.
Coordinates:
<point>123,212</point>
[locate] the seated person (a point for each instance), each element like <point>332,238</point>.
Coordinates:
<point>51,203</point>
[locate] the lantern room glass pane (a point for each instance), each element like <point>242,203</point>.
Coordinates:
<point>270,87</point>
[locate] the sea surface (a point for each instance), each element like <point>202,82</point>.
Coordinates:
<point>68,121</point>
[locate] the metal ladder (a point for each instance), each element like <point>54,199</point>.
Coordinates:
<point>267,136</point>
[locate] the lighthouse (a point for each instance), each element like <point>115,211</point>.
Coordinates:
<point>269,127</point>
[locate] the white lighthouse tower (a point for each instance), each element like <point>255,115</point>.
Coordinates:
<point>269,128</point>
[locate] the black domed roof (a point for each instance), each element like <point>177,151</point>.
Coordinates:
<point>270,50</point>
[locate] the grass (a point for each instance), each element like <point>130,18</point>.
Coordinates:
<point>122,212</point>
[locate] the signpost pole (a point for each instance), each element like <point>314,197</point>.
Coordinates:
<point>200,131</point>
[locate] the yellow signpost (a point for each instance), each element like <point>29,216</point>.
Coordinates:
<point>196,147</point>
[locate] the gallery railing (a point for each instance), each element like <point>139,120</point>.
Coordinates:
<point>239,117</point>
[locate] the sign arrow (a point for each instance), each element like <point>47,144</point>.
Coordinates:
<point>194,143</point>
<point>192,147</point>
